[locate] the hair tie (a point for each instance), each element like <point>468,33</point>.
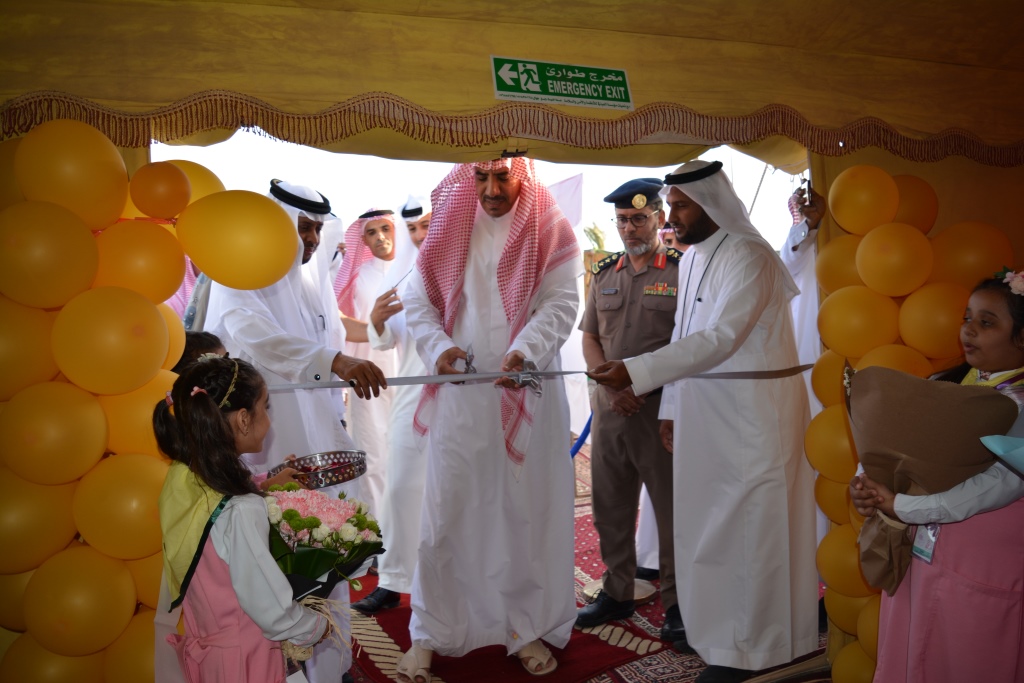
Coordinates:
<point>231,387</point>
<point>198,390</point>
<point>169,401</point>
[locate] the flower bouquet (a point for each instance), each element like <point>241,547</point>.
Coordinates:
<point>317,540</point>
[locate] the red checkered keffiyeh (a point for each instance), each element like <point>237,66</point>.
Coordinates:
<point>540,240</point>
<point>794,204</point>
<point>356,254</point>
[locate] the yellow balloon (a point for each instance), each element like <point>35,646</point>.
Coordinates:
<point>940,364</point>
<point>201,180</point>
<point>919,205</point>
<point>28,661</point>
<point>838,562</point>
<point>843,610</point>
<point>829,447</point>
<point>7,639</point>
<point>25,354</point>
<point>79,601</point>
<point>110,340</point>
<point>240,239</point>
<point>130,416</point>
<point>52,433</point>
<point>967,253</point>
<point>48,254</point>
<point>897,357</point>
<point>863,197</point>
<point>827,377</point>
<point>852,665</point>
<point>35,519</point>
<point>160,190</point>
<point>74,165</point>
<point>129,659</point>
<point>836,264</point>
<point>9,193</point>
<point>142,257</point>
<point>894,259</point>
<point>854,320</point>
<point>115,506</point>
<point>130,210</point>
<point>146,574</point>
<point>12,593</point>
<point>175,336</point>
<point>930,319</point>
<point>856,519</point>
<point>833,499</point>
<point>867,626</point>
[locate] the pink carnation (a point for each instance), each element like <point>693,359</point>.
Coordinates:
<point>330,511</point>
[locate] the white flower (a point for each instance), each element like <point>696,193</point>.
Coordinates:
<point>363,508</point>
<point>348,532</point>
<point>274,513</point>
<point>321,532</point>
<point>370,518</point>
<point>374,538</point>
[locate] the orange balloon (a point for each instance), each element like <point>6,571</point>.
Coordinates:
<point>142,257</point>
<point>129,659</point>
<point>240,239</point>
<point>829,447</point>
<point>930,319</point>
<point>897,357</point>
<point>130,416</point>
<point>202,180</point>
<point>836,265</point>
<point>867,626</point>
<point>110,340</point>
<point>827,377</point>
<point>25,354</point>
<point>919,205</point>
<point>74,165</point>
<point>12,592</point>
<point>34,519</point>
<point>894,259</point>
<point>9,193</point>
<point>175,336</point>
<point>852,665</point>
<point>833,499</point>
<point>79,601</point>
<point>48,254</point>
<point>838,562</point>
<point>115,506</point>
<point>130,210</point>
<point>967,253</point>
<point>843,610</point>
<point>863,197</point>
<point>940,364</point>
<point>856,519</point>
<point>52,433</point>
<point>27,660</point>
<point>854,320</point>
<point>146,573</point>
<point>160,190</point>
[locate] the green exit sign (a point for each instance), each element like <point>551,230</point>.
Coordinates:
<point>523,80</point>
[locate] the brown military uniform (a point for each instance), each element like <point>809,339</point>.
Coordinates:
<point>632,312</point>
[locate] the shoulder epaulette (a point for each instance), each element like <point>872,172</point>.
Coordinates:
<point>609,260</point>
<point>673,254</point>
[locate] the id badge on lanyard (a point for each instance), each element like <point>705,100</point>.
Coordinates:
<point>924,542</point>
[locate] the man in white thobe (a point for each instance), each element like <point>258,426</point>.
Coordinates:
<point>497,273</point>
<point>744,513</point>
<point>369,255</point>
<point>291,333</point>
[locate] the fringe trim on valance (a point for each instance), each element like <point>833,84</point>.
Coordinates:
<point>660,122</point>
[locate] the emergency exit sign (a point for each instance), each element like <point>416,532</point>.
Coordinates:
<point>523,80</point>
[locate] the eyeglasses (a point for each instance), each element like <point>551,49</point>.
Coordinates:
<point>638,220</point>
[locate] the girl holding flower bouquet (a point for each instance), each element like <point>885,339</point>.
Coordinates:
<point>236,603</point>
<point>959,615</point>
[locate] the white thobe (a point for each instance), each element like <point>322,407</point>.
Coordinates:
<point>744,510</point>
<point>646,533</point>
<point>406,462</point>
<point>495,563</point>
<point>368,420</point>
<point>798,254</point>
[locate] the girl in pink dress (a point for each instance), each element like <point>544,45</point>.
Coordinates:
<point>236,604</point>
<point>961,617</point>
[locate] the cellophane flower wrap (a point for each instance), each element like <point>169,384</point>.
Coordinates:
<point>312,533</point>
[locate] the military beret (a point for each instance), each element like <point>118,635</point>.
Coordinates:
<point>635,194</point>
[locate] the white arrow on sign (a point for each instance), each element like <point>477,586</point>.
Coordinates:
<point>507,74</point>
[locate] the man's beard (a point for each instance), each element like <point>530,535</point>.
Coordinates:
<point>638,250</point>
<point>699,231</point>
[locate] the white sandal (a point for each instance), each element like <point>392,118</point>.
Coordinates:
<point>414,667</point>
<point>537,659</point>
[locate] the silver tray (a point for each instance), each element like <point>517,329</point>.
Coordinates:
<point>329,468</point>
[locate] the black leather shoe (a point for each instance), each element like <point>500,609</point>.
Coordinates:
<point>647,574</point>
<point>673,629</point>
<point>379,599</point>
<point>604,609</point>
<point>724,674</point>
